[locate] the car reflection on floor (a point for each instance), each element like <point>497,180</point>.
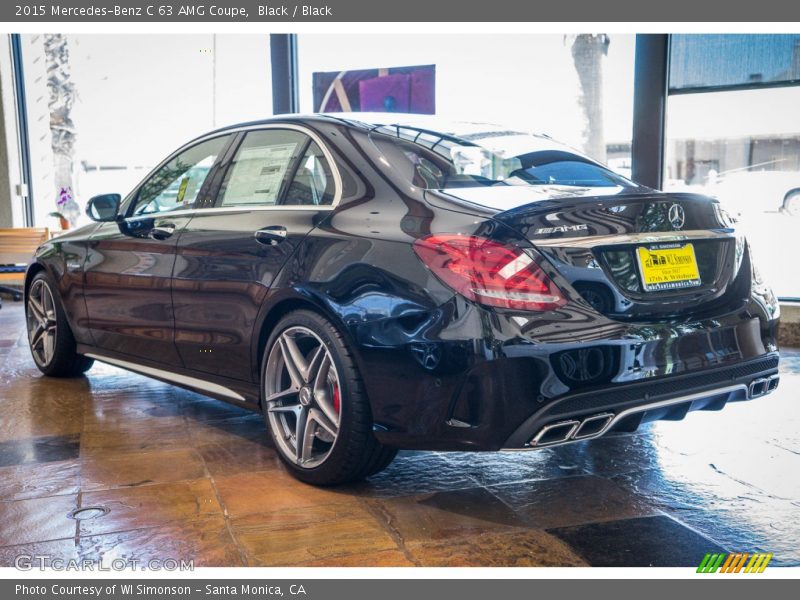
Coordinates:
<point>173,474</point>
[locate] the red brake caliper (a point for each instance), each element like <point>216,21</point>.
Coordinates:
<point>336,399</point>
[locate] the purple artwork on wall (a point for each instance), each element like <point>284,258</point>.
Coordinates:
<point>396,89</point>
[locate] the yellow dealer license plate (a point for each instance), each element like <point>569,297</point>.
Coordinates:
<point>668,267</point>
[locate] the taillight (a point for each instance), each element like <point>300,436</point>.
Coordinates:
<point>488,272</point>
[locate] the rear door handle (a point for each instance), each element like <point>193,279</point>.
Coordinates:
<point>161,231</point>
<point>271,235</point>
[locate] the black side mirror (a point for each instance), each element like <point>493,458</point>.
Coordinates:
<point>104,207</point>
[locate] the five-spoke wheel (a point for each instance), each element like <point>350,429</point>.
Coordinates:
<point>303,397</point>
<point>50,338</point>
<point>315,405</point>
<point>41,317</point>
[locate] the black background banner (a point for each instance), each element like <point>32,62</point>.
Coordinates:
<point>54,11</point>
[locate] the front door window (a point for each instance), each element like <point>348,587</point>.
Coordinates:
<point>176,185</point>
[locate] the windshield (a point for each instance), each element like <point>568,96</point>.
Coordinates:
<point>433,160</point>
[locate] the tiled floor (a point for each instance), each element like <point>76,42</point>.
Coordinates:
<point>185,477</point>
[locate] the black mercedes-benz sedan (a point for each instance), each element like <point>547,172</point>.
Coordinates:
<point>375,282</point>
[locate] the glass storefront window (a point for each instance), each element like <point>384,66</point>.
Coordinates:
<point>704,62</point>
<point>105,109</point>
<point>744,148</point>
<point>578,89</point>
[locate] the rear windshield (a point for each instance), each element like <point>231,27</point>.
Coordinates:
<point>434,160</point>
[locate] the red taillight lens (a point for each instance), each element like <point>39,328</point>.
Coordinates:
<point>488,272</point>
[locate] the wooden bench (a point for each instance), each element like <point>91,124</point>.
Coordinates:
<point>16,252</point>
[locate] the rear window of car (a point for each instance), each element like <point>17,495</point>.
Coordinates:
<point>434,160</point>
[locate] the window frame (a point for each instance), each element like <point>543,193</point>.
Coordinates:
<point>293,169</point>
<point>311,136</point>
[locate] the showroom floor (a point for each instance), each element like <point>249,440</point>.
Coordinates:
<point>175,475</point>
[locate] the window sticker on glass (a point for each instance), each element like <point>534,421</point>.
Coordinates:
<point>182,190</point>
<point>257,174</point>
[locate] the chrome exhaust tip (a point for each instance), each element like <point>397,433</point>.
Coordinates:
<point>757,388</point>
<point>774,380</point>
<point>572,430</point>
<point>555,433</point>
<point>762,386</point>
<point>593,426</point>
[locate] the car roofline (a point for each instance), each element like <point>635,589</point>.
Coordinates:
<point>286,118</point>
<point>367,121</point>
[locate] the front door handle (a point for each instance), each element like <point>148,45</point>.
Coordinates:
<point>271,235</point>
<point>161,231</point>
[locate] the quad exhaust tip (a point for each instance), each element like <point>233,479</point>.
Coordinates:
<point>594,426</point>
<point>762,386</point>
<point>565,431</point>
<point>556,433</point>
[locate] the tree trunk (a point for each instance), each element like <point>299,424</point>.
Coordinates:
<point>62,130</point>
<point>588,51</point>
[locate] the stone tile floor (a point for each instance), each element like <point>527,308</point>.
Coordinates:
<point>185,477</point>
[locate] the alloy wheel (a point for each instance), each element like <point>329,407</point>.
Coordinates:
<point>303,397</point>
<point>41,320</point>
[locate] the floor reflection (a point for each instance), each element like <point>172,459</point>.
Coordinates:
<point>188,477</point>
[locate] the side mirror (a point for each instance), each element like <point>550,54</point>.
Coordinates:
<point>104,207</point>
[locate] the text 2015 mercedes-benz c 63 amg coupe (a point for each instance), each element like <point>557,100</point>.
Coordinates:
<point>372,283</point>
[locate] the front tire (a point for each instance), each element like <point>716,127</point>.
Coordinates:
<point>50,338</point>
<point>315,406</point>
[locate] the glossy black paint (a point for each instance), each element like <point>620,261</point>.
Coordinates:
<point>128,288</point>
<point>441,372</point>
<point>221,279</point>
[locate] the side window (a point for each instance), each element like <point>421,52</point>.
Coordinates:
<point>176,184</point>
<point>259,168</point>
<point>313,181</point>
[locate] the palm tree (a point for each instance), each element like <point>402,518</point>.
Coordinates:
<point>588,51</point>
<point>62,130</point>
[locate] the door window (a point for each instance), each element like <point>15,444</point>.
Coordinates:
<point>278,166</point>
<point>177,184</point>
<point>258,171</point>
<point>312,182</point>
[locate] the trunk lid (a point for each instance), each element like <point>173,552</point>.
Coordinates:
<point>617,247</point>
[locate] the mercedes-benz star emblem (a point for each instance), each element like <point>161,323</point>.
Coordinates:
<point>676,215</point>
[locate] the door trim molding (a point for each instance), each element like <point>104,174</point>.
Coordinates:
<point>184,380</point>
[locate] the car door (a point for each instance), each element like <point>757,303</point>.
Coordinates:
<point>129,263</point>
<point>273,190</point>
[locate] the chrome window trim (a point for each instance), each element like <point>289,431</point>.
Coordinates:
<point>226,209</point>
<point>337,177</point>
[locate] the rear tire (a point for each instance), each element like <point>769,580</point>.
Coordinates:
<point>50,338</point>
<point>313,398</point>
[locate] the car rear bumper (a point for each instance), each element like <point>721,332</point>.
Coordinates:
<point>591,414</point>
<point>459,391</point>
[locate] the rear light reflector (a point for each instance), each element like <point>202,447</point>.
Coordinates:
<point>489,272</point>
